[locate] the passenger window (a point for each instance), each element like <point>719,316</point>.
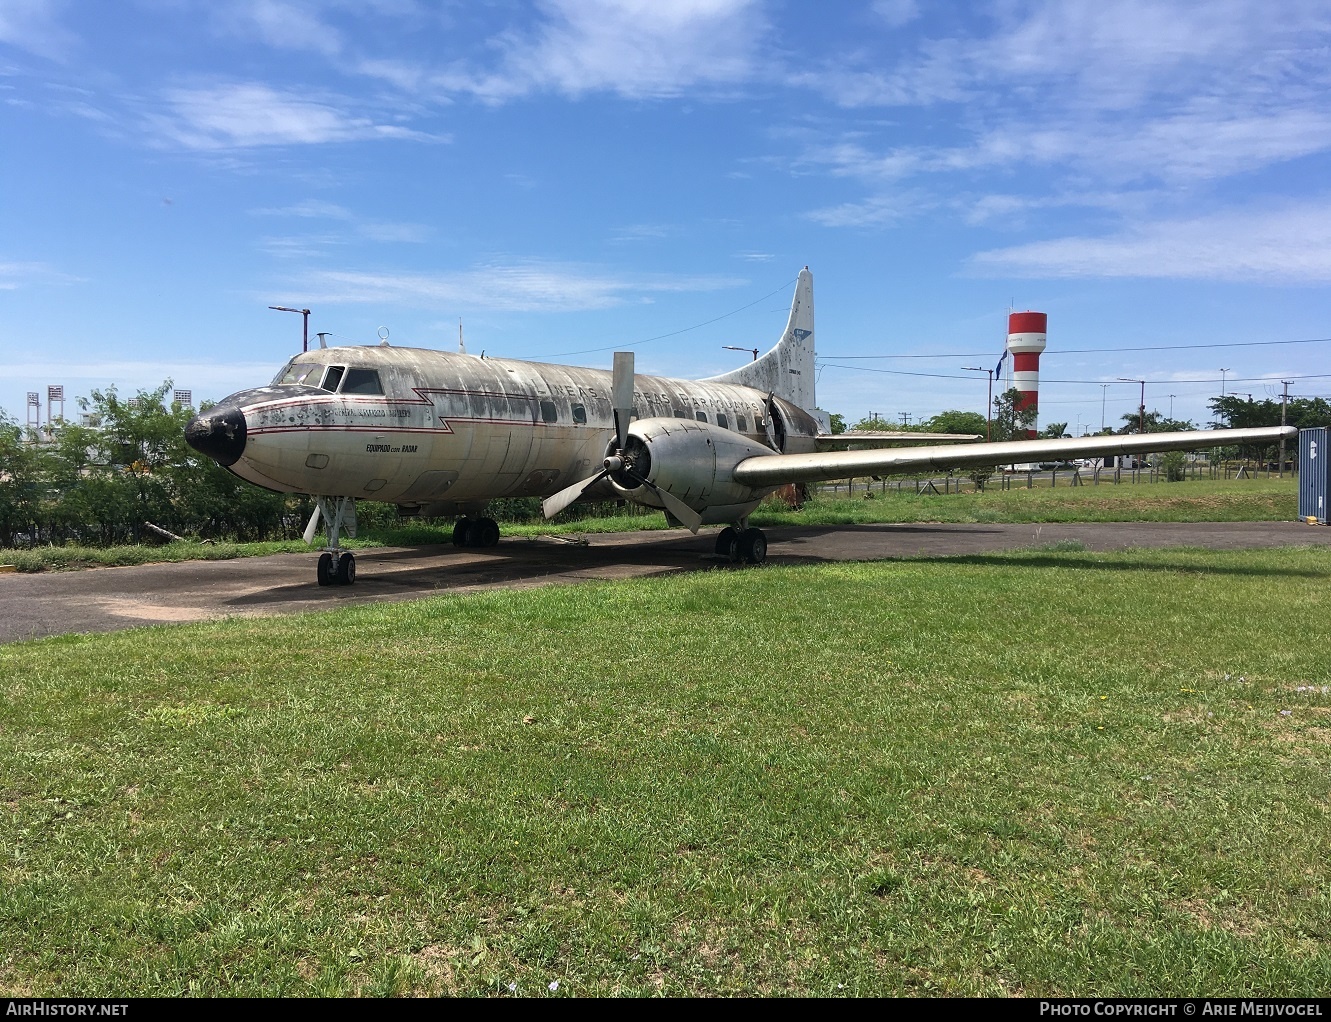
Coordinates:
<point>722,421</point>
<point>681,414</point>
<point>361,381</point>
<point>700,416</point>
<point>580,415</point>
<point>333,377</point>
<point>741,423</point>
<point>548,412</point>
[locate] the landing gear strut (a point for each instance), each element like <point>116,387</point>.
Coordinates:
<point>482,532</point>
<point>742,545</point>
<point>336,567</point>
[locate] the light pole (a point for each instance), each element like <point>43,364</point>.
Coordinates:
<point>1104,389</point>
<point>1141,409</point>
<point>305,332</point>
<point>1222,381</point>
<point>731,347</point>
<point>1171,405</point>
<point>989,407</point>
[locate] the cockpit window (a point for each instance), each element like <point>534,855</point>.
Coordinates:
<point>333,377</point>
<point>298,372</point>
<point>362,381</point>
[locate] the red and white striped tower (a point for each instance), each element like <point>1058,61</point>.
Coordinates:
<point>1025,340</point>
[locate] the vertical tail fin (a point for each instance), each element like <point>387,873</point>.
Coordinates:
<point>787,370</point>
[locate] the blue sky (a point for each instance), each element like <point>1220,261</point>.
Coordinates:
<point>567,175</point>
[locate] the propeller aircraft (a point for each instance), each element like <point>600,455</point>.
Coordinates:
<point>441,434</point>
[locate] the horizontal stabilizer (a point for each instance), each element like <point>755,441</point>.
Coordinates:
<point>779,469</point>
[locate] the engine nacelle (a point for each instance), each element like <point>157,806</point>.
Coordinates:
<point>693,460</point>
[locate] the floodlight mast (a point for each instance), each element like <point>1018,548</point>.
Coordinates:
<point>1141,409</point>
<point>988,408</point>
<point>305,332</point>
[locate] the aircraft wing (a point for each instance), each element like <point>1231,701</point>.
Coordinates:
<point>862,438</point>
<point>779,469</point>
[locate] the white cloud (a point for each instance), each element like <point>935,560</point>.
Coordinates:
<point>884,210</point>
<point>896,12</point>
<point>644,232</point>
<point>1290,245</point>
<point>34,25</point>
<point>15,275</point>
<point>635,48</point>
<point>243,115</point>
<point>282,24</point>
<point>371,230</point>
<point>519,287</point>
<point>206,379</point>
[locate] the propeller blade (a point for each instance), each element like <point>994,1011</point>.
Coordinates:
<point>554,504</point>
<point>621,391</point>
<point>685,514</point>
<point>312,527</point>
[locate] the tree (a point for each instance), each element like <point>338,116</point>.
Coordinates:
<point>1155,423</point>
<point>1010,421</point>
<point>838,422</point>
<point>19,486</point>
<point>1055,431</point>
<point>876,423</point>
<point>956,421</point>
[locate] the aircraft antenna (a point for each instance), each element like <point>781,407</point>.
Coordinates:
<point>462,345</point>
<point>383,337</point>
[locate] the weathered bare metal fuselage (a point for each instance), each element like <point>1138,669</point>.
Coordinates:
<point>452,431</point>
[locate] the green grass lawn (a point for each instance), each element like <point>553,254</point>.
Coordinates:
<point>1027,773</point>
<point>1194,501</point>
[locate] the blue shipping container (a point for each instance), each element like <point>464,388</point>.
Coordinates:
<point>1314,459</point>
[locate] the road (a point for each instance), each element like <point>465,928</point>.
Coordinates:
<point>108,599</point>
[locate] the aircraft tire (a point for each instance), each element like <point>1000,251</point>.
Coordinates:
<point>753,546</point>
<point>346,570</point>
<point>485,533</point>
<point>325,571</point>
<point>460,529</point>
<point>727,540</point>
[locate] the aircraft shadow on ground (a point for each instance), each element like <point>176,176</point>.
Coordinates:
<point>517,561</point>
<point>521,566</point>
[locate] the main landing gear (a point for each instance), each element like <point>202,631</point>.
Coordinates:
<point>336,567</point>
<point>742,545</point>
<point>476,532</point>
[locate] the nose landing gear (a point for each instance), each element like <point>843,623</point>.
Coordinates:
<point>336,567</point>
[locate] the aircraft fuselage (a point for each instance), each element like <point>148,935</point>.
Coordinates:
<point>445,432</point>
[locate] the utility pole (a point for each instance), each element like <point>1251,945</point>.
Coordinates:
<point>1284,403</point>
<point>305,333</point>
<point>1171,405</point>
<point>1141,408</point>
<point>905,418</point>
<point>989,407</point>
<point>1104,389</point>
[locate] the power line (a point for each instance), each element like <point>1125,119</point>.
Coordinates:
<point>1043,380</point>
<point>1084,351</point>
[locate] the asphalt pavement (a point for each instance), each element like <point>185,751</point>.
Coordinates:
<point>108,599</point>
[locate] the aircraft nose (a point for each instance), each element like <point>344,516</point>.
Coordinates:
<point>218,433</point>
